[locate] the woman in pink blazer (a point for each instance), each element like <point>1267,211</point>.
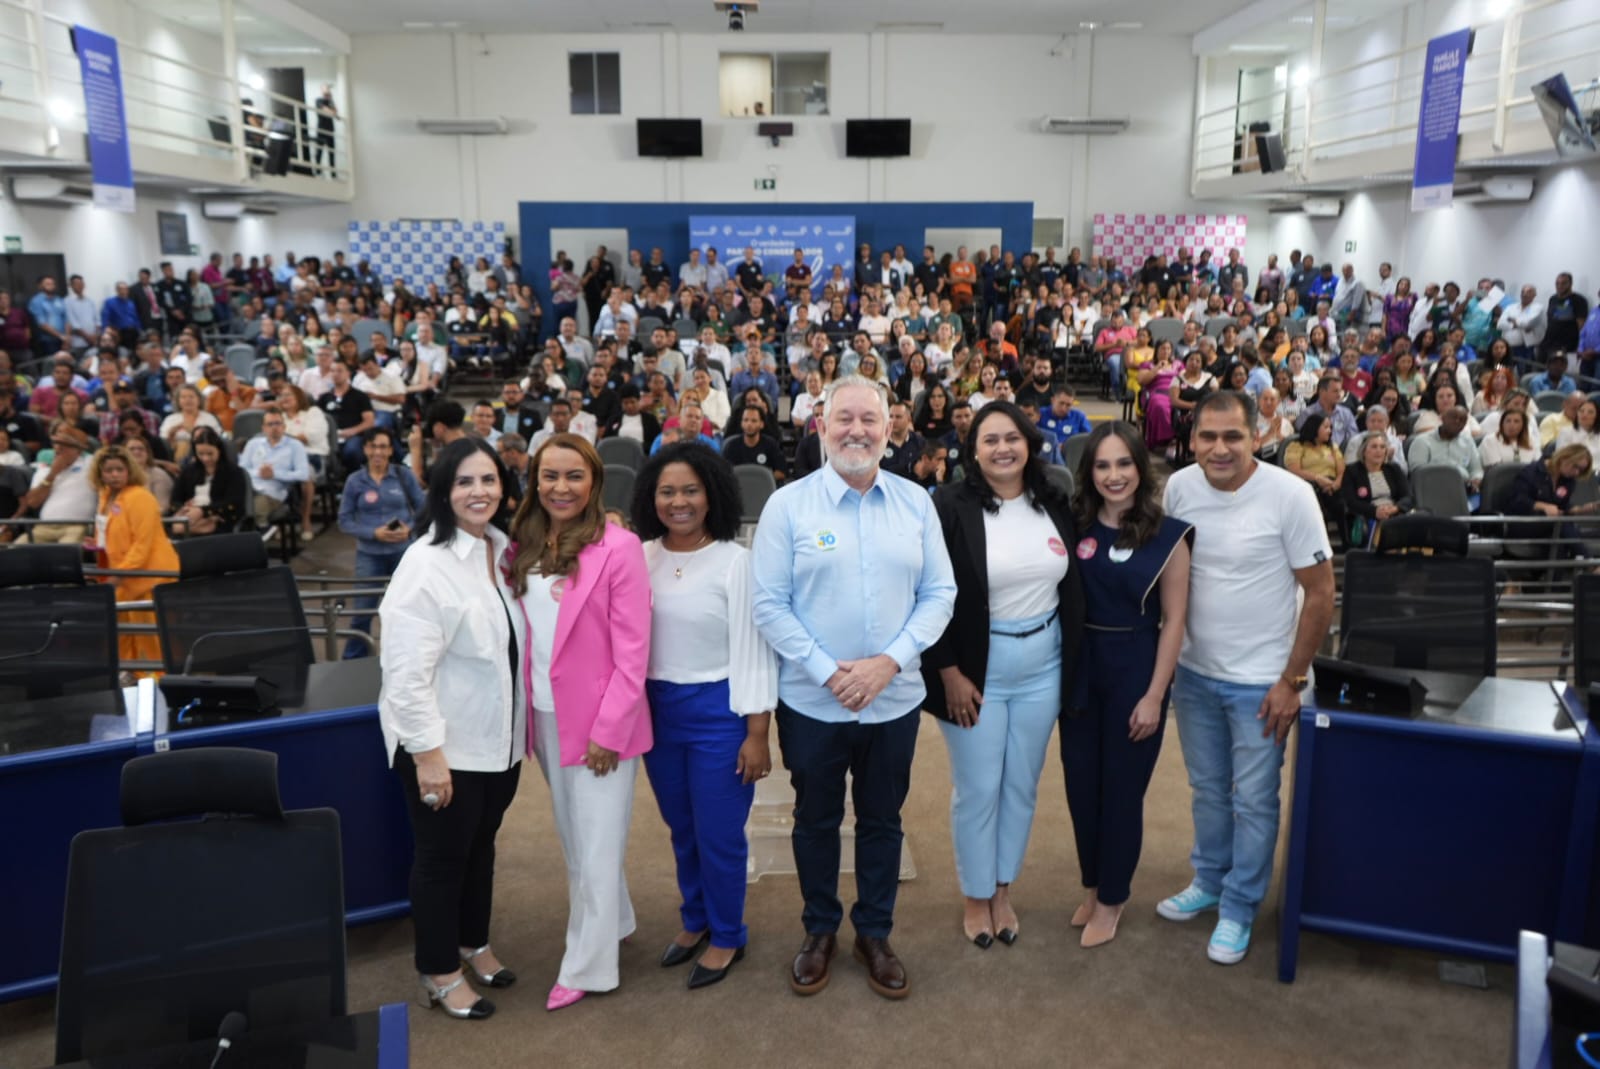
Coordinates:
<point>584,593</point>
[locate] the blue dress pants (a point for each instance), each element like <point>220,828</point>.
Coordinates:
<point>817,754</point>
<point>691,769</point>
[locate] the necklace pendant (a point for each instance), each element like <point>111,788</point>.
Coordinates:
<point>677,573</point>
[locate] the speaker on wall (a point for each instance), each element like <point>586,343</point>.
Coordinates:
<point>1269,150</point>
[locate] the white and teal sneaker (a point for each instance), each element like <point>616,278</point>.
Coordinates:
<point>1230,942</point>
<point>1187,904</point>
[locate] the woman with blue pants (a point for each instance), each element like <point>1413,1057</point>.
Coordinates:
<point>997,677</point>
<point>712,685</point>
<point>1134,562</point>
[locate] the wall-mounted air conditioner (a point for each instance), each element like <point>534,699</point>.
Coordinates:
<point>235,209</point>
<point>1323,207</point>
<point>496,124</point>
<point>1505,187</point>
<point>1052,125</point>
<point>49,190</point>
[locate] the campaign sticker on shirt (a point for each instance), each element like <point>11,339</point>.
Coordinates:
<point>1087,548</point>
<point>761,458</point>
<point>1561,491</point>
<point>370,497</point>
<point>827,541</point>
<point>1119,554</point>
<point>1361,491</point>
<point>1057,547</point>
<point>116,510</point>
<point>888,452</point>
<point>557,589</point>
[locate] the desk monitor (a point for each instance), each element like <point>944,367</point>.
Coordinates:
<point>1364,689</point>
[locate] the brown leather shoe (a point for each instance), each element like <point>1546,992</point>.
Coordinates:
<point>809,973</point>
<point>885,974</point>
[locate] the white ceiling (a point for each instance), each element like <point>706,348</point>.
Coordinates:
<point>774,16</point>
<point>1291,32</point>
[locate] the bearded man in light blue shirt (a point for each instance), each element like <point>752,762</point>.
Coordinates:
<point>852,582</point>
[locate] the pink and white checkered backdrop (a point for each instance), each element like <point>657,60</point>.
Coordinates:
<point>1128,239</point>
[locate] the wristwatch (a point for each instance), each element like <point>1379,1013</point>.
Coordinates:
<point>1295,682</point>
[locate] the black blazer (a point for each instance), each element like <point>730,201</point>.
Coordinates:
<point>1356,480</point>
<point>965,642</point>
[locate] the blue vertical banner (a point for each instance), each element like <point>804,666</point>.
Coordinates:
<point>1439,121</point>
<point>107,121</point>
<point>826,240</point>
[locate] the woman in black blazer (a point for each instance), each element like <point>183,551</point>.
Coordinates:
<point>1374,489</point>
<point>997,679</point>
<point>211,492</point>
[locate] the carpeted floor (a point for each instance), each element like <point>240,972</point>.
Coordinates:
<point>1150,998</point>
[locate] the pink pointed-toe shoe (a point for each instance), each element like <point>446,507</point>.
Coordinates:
<point>562,997</point>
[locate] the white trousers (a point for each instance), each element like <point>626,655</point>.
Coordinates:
<point>592,814</point>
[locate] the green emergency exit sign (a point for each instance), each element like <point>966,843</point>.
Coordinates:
<point>13,243</point>
<point>766,183</point>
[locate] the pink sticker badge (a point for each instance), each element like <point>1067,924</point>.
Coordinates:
<point>1362,491</point>
<point>557,589</point>
<point>1561,491</point>
<point>1087,548</point>
<point>370,497</point>
<point>1057,547</point>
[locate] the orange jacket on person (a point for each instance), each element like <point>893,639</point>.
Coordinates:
<point>135,539</point>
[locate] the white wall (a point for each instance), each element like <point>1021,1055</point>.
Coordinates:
<point>968,142</point>
<point>1519,242</point>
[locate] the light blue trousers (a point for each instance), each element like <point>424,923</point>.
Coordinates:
<point>995,764</point>
<point>1234,773</point>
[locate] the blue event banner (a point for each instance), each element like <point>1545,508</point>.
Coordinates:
<point>827,240</point>
<point>110,159</point>
<point>1439,121</point>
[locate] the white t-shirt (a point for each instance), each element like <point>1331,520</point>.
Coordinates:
<point>632,427</point>
<point>386,382</point>
<point>541,608</point>
<point>702,629</point>
<point>1027,559</point>
<point>1244,601</point>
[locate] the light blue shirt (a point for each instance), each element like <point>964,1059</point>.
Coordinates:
<point>841,575</point>
<point>289,460</point>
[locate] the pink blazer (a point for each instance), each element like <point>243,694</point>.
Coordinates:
<point>602,650</point>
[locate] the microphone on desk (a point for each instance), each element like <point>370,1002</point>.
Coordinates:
<point>233,1026</point>
<point>50,636</point>
<point>188,662</point>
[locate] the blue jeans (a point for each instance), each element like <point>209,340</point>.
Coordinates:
<point>1119,381</point>
<point>995,763</point>
<point>1234,773</point>
<point>368,566</point>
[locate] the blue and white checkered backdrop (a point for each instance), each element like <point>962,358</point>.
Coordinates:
<point>419,250</point>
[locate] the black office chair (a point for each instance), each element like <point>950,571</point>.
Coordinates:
<point>58,634</point>
<point>1427,613</point>
<point>623,452</point>
<point>1062,477</point>
<point>618,490</point>
<point>757,484</point>
<point>171,926</point>
<point>229,613</point>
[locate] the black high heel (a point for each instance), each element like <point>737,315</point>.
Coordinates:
<point>700,976</point>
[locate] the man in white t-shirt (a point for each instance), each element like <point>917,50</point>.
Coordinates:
<point>430,351</point>
<point>1260,602</point>
<point>385,388</point>
<point>875,323</point>
<point>317,379</point>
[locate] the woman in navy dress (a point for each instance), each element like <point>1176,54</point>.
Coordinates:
<point>1111,733</point>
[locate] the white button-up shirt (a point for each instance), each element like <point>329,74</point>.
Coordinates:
<point>451,656</point>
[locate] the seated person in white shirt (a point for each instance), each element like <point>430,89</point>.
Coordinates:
<point>275,463</point>
<point>712,350</point>
<point>634,422</point>
<point>318,379</point>
<point>874,322</point>
<point>560,422</point>
<point>429,349</point>
<point>385,388</point>
<point>483,419</point>
<point>582,422</point>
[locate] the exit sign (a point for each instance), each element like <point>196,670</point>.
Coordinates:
<point>13,243</point>
<point>766,183</point>
<point>1349,246</point>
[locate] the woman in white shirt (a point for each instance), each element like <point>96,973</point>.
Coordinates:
<point>712,684</point>
<point>998,676</point>
<point>454,718</point>
<point>1585,431</point>
<point>1510,443</point>
<point>584,595</point>
<point>309,426</point>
